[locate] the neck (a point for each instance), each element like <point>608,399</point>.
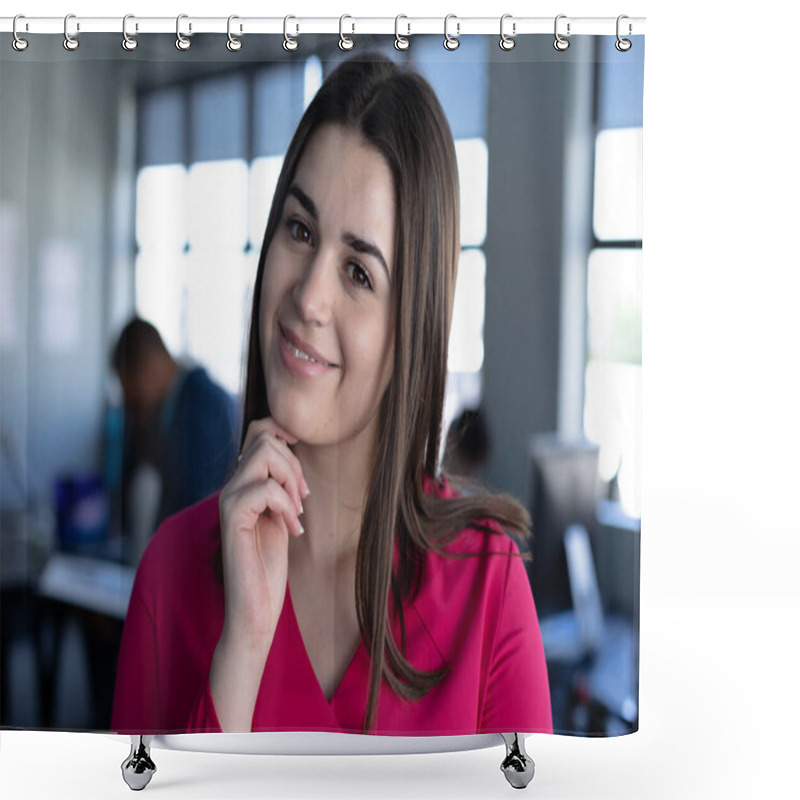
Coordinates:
<point>337,478</point>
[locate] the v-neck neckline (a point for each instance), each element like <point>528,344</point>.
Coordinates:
<point>350,665</point>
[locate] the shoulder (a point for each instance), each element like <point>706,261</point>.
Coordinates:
<point>474,564</point>
<point>183,545</point>
<point>485,536</point>
<point>462,590</point>
<point>199,383</point>
<point>197,378</point>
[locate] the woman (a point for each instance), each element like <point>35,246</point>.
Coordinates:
<point>357,591</point>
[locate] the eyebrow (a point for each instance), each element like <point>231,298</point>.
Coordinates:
<point>356,242</point>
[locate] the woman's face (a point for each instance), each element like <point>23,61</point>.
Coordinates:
<point>326,319</point>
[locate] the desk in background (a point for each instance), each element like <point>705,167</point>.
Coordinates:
<point>41,592</point>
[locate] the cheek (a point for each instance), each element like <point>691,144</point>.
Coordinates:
<point>374,345</point>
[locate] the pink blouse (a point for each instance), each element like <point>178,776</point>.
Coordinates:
<point>474,615</point>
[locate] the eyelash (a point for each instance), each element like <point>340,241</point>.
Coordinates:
<point>290,224</point>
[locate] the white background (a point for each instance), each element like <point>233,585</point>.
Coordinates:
<point>720,612</point>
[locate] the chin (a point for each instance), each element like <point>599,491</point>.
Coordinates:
<point>294,416</point>
<point>298,409</point>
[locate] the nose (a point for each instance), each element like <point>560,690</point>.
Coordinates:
<point>314,291</point>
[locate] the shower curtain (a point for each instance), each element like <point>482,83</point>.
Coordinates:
<point>136,182</point>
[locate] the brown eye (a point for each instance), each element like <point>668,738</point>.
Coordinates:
<point>359,275</point>
<point>298,231</point>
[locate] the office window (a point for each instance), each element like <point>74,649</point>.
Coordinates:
<point>612,407</point>
<point>200,217</point>
<point>460,79</point>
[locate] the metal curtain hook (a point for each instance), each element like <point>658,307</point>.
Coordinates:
<point>507,42</point>
<point>400,42</point>
<point>561,43</point>
<point>621,44</point>
<point>233,44</point>
<point>345,42</point>
<point>451,42</point>
<point>70,42</point>
<point>182,43</point>
<point>19,44</point>
<point>289,43</point>
<point>128,42</point>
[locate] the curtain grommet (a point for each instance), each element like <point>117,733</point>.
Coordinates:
<point>181,42</point>
<point>289,44</point>
<point>507,42</point>
<point>129,43</point>
<point>70,42</point>
<point>451,43</point>
<point>233,44</point>
<point>401,42</point>
<point>345,42</point>
<point>561,43</point>
<point>19,44</point>
<point>623,45</point>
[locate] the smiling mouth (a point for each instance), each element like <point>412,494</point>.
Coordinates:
<point>301,354</point>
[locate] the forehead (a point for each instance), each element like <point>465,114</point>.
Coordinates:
<point>351,186</point>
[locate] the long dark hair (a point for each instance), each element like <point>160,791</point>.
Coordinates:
<point>395,111</point>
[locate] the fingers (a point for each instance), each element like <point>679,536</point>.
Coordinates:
<point>267,460</point>
<point>279,503</point>
<point>268,481</point>
<point>265,432</point>
<point>245,505</point>
<point>268,424</point>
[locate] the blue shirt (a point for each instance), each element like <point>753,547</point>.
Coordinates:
<point>198,440</point>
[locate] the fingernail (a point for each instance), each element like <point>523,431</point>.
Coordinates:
<point>306,490</point>
<point>302,510</point>
<point>302,529</point>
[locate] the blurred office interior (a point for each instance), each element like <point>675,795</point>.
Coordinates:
<point>140,183</point>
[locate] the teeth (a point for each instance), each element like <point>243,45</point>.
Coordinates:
<point>301,354</point>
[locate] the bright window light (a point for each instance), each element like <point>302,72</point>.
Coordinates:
<point>215,325</point>
<point>612,420</point>
<point>161,220</point>
<point>218,204</point>
<point>473,177</point>
<point>159,293</point>
<point>618,184</point>
<point>312,79</point>
<point>466,329</point>
<point>264,175</point>
<point>614,299</point>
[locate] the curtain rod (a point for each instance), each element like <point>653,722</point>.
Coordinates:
<point>299,25</point>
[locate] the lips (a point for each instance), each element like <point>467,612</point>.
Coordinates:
<point>303,351</point>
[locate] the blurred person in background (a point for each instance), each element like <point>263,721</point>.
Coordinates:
<point>180,431</point>
<point>467,446</point>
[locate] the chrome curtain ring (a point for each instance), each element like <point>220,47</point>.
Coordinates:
<point>233,44</point>
<point>70,42</point>
<point>128,42</point>
<point>623,45</point>
<point>19,44</point>
<point>182,43</point>
<point>345,42</point>
<point>400,42</point>
<point>561,43</point>
<point>507,42</point>
<point>451,42</point>
<point>289,43</point>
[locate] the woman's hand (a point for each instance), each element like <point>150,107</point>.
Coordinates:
<point>259,508</point>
